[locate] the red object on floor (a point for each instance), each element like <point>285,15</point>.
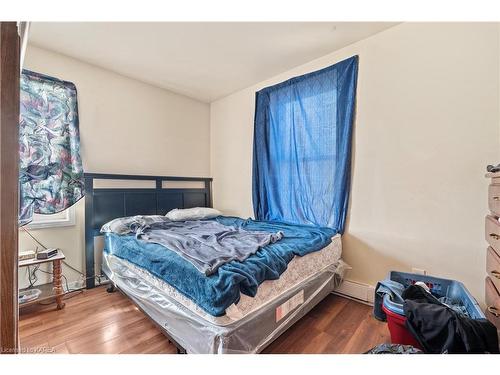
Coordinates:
<point>398,330</point>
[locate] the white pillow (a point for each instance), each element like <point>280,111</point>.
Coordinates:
<point>196,213</point>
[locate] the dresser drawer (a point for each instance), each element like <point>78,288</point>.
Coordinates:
<point>492,303</point>
<point>492,233</point>
<point>493,266</point>
<point>494,199</point>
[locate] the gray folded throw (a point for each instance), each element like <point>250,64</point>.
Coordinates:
<point>206,244</point>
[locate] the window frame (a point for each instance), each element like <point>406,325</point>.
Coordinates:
<point>53,221</point>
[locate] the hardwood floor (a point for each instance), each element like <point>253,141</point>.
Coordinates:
<point>98,322</point>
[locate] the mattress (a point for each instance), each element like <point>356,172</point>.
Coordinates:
<point>217,292</point>
<point>299,270</point>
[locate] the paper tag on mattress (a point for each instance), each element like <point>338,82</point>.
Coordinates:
<point>285,308</point>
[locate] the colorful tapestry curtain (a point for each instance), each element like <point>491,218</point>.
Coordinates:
<point>302,147</point>
<point>50,168</point>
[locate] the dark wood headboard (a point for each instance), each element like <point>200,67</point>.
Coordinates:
<point>105,204</point>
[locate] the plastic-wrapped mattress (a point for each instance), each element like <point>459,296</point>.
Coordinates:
<point>247,327</point>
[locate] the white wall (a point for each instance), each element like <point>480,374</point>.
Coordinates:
<point>126,126</point>
<point>427,124</point>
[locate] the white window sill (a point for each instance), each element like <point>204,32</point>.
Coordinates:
<point>65,218</point>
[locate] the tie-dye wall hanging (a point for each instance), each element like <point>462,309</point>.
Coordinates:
<point>50,169</point>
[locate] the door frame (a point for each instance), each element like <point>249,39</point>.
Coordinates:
<point>9,177</point>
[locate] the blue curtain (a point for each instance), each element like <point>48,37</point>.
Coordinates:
<point>50,167</point>
<point>302,147</point>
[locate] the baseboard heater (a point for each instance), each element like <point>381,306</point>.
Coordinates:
<point>356,290</point>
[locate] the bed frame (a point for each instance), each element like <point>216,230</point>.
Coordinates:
<point>105,204</point>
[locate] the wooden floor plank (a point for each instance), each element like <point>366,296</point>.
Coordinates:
<point>98,322</point>
<point>346,325</point>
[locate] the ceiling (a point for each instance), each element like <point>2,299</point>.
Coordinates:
<point>202,60</point>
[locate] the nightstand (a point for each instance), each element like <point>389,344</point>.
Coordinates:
<point>51,290</point>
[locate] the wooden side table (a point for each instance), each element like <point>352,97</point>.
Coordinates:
<point>51,290</point>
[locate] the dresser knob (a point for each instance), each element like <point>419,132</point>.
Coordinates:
<point>495,236</point>
<point>495,274</point>
<point>494,311</point>
<point>496,198</point>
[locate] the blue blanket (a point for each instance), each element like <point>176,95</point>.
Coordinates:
<point>215,293</point>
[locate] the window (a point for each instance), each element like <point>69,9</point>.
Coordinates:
<point>302,147</point>
<point>61,219</point>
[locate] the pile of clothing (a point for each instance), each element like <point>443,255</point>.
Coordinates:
<point>438,326</point>
<point>394,349</point>
<point>493,168</point>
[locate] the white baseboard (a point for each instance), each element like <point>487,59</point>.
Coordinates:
<point>356,290</point>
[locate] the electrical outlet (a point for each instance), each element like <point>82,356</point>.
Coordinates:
<point>419,271</point>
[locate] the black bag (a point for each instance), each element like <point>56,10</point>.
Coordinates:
<point>440,329</point>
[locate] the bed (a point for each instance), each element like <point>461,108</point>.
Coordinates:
<point>247,326</point>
